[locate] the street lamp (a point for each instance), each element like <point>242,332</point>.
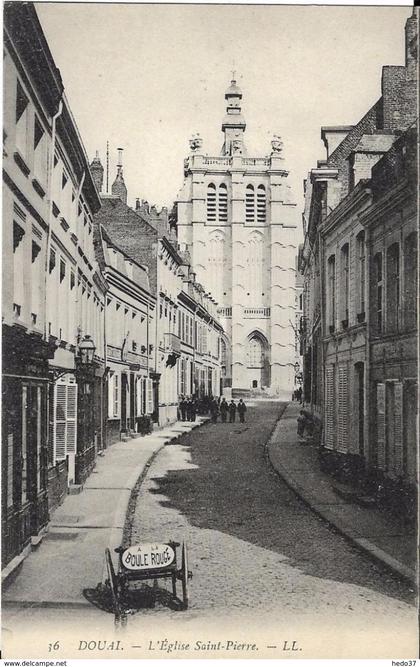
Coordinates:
<point>86,350</point>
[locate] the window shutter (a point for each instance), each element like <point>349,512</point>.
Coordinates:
<point>380,424</point>
<point>139,396</point>
<point>60,414</point>
<point>65,420</point>
<point>149,396</point>
<point>329,410</point>
<point>398,428</point>
<point>71,419</point>
<point>110,396</point>
<point>342,444</point>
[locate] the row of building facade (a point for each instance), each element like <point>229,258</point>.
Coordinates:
<point>359,266</point>
<point>104,322</point>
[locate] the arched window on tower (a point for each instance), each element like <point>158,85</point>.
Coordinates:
<point>261,204</point>
<point>223,202</point>
<point>255,353</point>
<point>211,202</point>
<point>249,203</point>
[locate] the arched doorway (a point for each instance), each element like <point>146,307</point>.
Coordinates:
<point>258,361</point>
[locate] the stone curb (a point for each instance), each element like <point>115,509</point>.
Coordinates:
<point>362,543</point>
<point>117,529</point>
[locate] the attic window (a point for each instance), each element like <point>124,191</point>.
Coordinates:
<point>64,180</point>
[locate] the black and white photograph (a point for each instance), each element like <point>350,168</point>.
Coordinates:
<point>209,332</point>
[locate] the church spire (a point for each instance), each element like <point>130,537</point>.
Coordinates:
<point>233,125</point>
<point>118,187</point>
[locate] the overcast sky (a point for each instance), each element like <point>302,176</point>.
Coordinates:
<point>145,77</point>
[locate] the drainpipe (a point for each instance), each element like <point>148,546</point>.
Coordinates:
<point>50,207</point>
<point>105,377</point>
<point>367,397</point>
<point>321,255</point>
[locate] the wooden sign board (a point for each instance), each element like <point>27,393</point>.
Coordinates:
<point>148,556</point>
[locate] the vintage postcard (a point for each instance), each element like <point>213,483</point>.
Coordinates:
<point>209,356</point>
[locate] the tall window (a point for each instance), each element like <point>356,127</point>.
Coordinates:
<point>345,284</point>
<point>361,276</point>
<point>392,287</point>
<point>261,204</point>
<point>410,281</point>
<point>255,353</point>
<point>331,293</point>
<point>40,156</point>
<point>222,203</point>
<point>22,103</point>
<point>116,396</point>
<point>249,203</point>
<point>378,291</point>
<point>35,281</point>
<point>211,202</point>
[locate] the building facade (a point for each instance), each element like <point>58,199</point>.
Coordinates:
<point>129,329</point>
<point>185,347</point>
<point>53,356</point>
<point>352,263</point>
<point>391,229</point>
<point>236,219</point>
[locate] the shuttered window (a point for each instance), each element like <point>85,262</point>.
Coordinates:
<point>211,202</point>
<point>140,391</point>
<point>222,203</point>
<point>380,425</point>
<point>24,464</point>
<point>261,204</point>
<point>398,459</point>
<point>342,441</point>
<point>65,420</point>
<point>330,407</point>
<point>249,204</point>
<point>149,390</point>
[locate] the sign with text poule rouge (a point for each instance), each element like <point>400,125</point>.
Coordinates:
<point>148,556</point>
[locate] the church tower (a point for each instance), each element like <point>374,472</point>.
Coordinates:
<point>237,221</point>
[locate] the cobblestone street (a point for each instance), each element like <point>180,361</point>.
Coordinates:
<point>254,547</point>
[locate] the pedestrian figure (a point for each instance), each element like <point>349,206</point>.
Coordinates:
<point>193,409</point>
<point>299,394</point>
<point>241,410</point>
<point>214,410</point>
<point>301,424</point>
<point>224,408</point>
<point>188,405</point>
<point>183,408</point>
<point>232,411</point>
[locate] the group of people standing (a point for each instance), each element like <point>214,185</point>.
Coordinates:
<point>188,409</point>
<point>222,407</point>
<point>189,406</point>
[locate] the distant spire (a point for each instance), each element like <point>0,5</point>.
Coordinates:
<point>118,187</point>
<point>97,172</point>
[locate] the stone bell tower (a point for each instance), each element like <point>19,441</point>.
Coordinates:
<point>237,220</point>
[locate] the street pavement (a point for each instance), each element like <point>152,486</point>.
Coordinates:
<point>383,535</point>
<point>267,570</point>
<point>257,551</point>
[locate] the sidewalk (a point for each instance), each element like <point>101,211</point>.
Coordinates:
<point>70,558</point>
<point>382,535</point>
